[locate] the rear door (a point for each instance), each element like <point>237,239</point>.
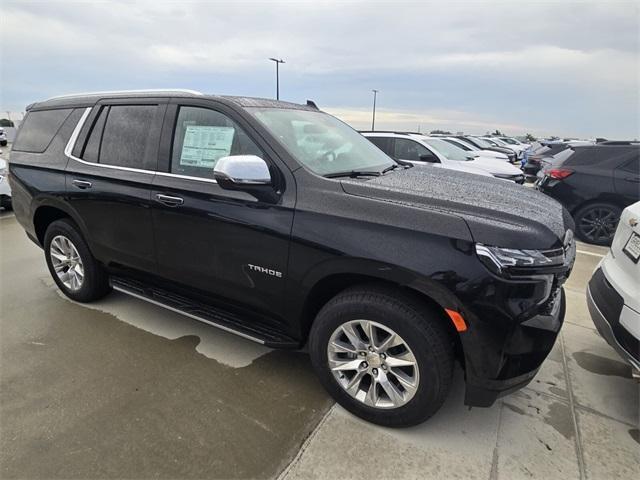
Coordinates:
<point>109,177</point>
<point>210,240</point>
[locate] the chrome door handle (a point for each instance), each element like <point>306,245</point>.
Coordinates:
<point>169,201</point>
<point>82,184</point>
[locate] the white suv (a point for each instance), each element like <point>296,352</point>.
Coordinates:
<point>421,149</point>
<point>613,293</point>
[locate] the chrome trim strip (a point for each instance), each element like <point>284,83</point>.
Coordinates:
<point>195,317</point>
<point>126,92</point>
<point>74,138</point>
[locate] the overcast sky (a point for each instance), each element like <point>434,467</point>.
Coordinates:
<point>521,66</point>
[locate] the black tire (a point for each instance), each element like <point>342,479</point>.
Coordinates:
<point>95,284</point>
<point>607,213</point>
<point>6,204</point>
<point>421,329</point>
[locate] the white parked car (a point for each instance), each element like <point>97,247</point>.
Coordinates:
<point>613,293</point>
<point>5,190</point>
<point>417,148</point>
<point>514,141</point>
<point>517,149</point>
<point>469,147</point>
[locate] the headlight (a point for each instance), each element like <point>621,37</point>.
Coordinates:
<point>498,258</point>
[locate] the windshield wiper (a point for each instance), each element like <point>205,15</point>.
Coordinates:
<point>390,167</point>
<point>352,174</point>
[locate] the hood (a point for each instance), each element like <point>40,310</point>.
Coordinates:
<point>497,212</point>
<point>458,166</point>
<point>492,154</point>
<point>494,165</point>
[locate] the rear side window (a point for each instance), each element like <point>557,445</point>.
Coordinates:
<point>92,148</point>
<point>383,143</point>
<point>410,150</point>
<point>127,135</point>
<point>39,128</point>
<point>632,166</point>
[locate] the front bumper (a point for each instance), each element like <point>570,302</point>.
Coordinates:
<point>519,357</point>
<point>605,306</point>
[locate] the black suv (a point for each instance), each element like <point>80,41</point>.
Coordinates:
<point>282,224</point>
<point>595,183</point>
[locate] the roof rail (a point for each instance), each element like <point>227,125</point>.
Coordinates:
<point>392,131</point>
<point>126,92</point>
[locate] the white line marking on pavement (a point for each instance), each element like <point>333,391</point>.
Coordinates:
<point>4,217</point>
<point>584,252</point>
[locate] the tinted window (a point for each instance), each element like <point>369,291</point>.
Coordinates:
<point>458,144</point>
<point>633,166</point>
<point>38,129</point>
<point>383,143</point>
<point>203,136</point>
<point>92,148</point>
<point>410,150</point>
<point>126,137</point>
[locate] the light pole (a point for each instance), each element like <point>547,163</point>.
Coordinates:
<point>278,61</point>
<point>373,120</point>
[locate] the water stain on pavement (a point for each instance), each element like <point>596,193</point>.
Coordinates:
<point>98,397</point>
<point>602,365</point>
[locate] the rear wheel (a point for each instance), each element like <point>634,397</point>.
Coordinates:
<point>596,223</point>
<point>383,355</point>
<point>72,266</point>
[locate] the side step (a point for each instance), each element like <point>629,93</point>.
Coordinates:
<point>223,320</point>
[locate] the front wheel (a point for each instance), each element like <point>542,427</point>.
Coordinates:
<point>383,355</point>
<point>74,269</point>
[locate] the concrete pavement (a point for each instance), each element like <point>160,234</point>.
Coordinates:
<point>121,388</point>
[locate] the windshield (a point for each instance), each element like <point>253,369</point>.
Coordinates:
<point>448,150</point>
<point>462,145</point>
<point>322,143</point>
<point>509,140</point>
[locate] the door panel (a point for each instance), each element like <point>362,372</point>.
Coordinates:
<point>212,239</point>
<point>109,177</point>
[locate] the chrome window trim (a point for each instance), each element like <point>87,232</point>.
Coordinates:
<point>74,138</point>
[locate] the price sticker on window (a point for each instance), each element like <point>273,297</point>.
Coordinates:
<point>204,145</point>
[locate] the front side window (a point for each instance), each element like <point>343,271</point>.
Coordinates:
<point>411,150</point>
<point>202,136</point>
<point>126,138</point>
<point>320,142</point>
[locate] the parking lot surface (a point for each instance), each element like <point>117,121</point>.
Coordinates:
<point>124,389</point>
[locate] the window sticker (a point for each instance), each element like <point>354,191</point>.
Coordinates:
<point>203,145</point>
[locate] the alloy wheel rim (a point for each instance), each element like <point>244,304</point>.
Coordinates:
<point>66,262</point>
<point>373,364</point>
<point>599,224</point>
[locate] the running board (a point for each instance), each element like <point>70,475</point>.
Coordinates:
<point>204,313</point>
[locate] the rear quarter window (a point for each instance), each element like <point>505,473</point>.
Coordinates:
<point>39,128</point>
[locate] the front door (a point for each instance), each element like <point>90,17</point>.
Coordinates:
<point>225,244</point>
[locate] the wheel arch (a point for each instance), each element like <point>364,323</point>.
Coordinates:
<point>423,290</point>
<point>47,212</point>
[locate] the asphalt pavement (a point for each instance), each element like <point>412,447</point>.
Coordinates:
<point>124,389</point>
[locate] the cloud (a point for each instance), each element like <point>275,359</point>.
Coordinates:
<point>570,68</point>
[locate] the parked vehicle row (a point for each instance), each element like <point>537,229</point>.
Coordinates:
<point>3,138</point>
<point>425,150</point>
<point>280,223</point>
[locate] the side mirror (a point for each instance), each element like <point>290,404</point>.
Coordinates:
<point>240,171</point>
<point>429,158</point>
<point>247,173</point>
